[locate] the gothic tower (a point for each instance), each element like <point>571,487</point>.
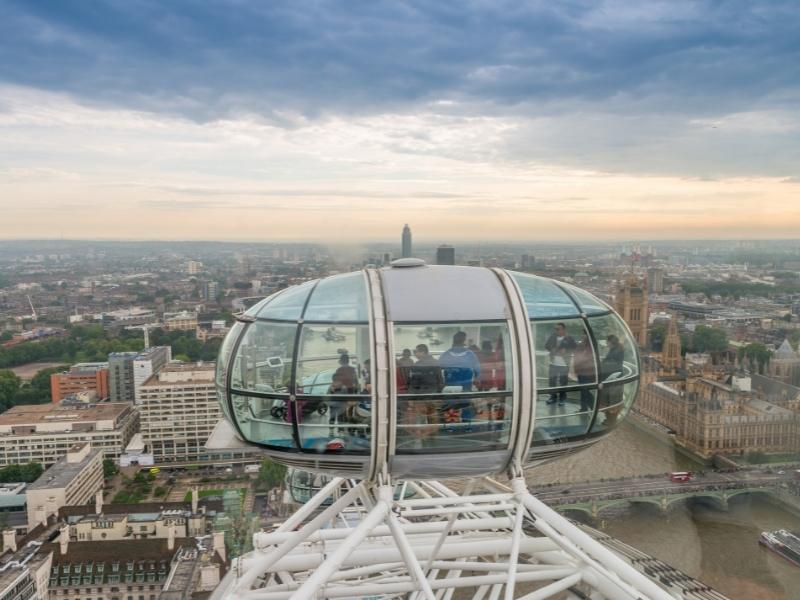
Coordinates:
<point>671,350</point>
<point>631,304</point>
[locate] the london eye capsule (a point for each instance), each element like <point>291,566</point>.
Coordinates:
<point>419,371</point>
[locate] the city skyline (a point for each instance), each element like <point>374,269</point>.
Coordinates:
<point>245,122</point>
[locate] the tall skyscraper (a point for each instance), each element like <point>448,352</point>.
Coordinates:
<point>445,255</point>
<point>406,253</point>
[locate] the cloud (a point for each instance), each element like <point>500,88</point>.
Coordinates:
<point>471,117</point>
<point>219,58</point>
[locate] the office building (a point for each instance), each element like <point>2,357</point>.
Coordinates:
<point>445,255</point>
<point>193,267</point>
<point>406,242</point>
<point>74,479</point>
<point>44,433</point>
<point>179,409</point>
<point>128,370</point>
<point>82,378</point>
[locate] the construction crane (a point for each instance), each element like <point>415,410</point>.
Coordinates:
<point>34,316</point>
<point>146,329</point>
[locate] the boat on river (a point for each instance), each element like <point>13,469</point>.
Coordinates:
<point>784,543</point>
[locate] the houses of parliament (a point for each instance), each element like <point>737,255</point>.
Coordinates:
<point>713,409</point>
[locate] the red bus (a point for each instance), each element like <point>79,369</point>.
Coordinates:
<point>680,476</point>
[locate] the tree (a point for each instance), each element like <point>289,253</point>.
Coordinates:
<point>9,387</point>
<point>757,354</point>
<point>709,339</point>
<point>27,473</point>
<point>109,468</point>
<point>270,475</point>
<point>6,335</point>
<point>794,338</point>
<point>38,390</point>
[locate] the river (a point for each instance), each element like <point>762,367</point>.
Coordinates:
<point>718,547</point>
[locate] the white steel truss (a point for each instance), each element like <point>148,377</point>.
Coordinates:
<point>423,540</point>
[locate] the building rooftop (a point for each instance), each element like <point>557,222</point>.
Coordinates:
<point>62,472</point>
<point>209,504</point>
<point>181,373</point>
<point>49,413</point>
<point>142,355</point>
<point>87,367</point>
<point>140,551</point>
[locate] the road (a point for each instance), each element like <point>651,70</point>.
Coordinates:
<point>657,486</point>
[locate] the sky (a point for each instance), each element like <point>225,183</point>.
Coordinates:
<point>339,121</point>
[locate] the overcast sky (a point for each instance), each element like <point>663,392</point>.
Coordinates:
<point>526,121</point>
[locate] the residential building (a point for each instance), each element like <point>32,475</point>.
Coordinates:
<point>213,329</point>
<point>44,433</point>
<point>180,321</point>
<point>81,377</point>
<point>151,569</point>
<point>128,370</point>
<point>25,573</point>
<point>210,291</point>
<point>179,409</point>
<point>165,551</point>
<point>193,267</point>
<point>72,480</point>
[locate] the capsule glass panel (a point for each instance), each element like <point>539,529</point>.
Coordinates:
<point>288,305</point>
<point>467,423</point>
<point>617,349</point>
<point>223,362</point>
<point>564,354</point>
<point>452,358</point>
<point>333,360</point>
<point>587,302</point>
<point>266,421</point>
<point>263,361</point>
<point>543,298</point>
<point>614,401</point>
<point>565,420</point>
<point>339,299</point>
<point>453,397</point>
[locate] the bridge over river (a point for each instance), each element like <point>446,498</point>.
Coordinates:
<point>594,496</point>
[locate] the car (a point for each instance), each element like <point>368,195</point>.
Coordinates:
<point>781,472</point>
<point>565,491</point>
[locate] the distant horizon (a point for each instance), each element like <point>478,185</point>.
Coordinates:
<point>416,241</point>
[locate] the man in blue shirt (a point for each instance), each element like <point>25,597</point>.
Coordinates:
<point>460,365</point>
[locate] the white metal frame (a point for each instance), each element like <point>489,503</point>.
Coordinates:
<point>489,540</point>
